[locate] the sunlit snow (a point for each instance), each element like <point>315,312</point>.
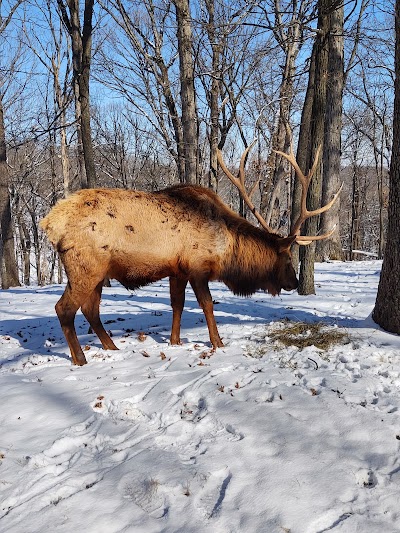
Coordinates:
<point>252,438</point>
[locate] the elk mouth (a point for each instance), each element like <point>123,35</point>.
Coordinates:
<point>292,287</point>
<point>289,289</point>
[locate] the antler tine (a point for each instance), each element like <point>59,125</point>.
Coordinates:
<point>304,212</point>
<point>243,161</point>
<point>239,184</point>
<point>305,182</point>
<point>315,164</point>
<point>253,189</point>
<point>303,240</point>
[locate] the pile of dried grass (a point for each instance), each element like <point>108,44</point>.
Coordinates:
<point>304,334</point>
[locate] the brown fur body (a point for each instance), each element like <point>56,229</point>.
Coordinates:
<point>184,232</point>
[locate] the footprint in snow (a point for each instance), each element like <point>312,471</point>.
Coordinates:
<point>147,494</point>
<point>119,409</point>
<point>211,496</point>
<point>366,478</point>
<point>194,407</point>
<point>190,439</point>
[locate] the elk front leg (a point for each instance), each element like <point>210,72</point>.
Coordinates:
<point>66,309</point>
<point>203,295</point>
<point>177,288</point>
<point>91,310</point>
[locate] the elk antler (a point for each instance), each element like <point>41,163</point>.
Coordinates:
<point>239,183</point>
<point>304,212</point>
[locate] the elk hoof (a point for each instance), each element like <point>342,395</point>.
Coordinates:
<point>79,360</point>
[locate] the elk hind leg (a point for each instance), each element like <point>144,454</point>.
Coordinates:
<point>177,288</point>
<point>203,295</point>
<point>66,309</point>
<point>91,310</point>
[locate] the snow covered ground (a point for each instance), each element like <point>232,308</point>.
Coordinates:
<point>159,438</point>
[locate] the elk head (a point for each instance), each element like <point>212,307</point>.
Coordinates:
<point>284,273</point>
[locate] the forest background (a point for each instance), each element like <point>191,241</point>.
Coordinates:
<point>171,83</point>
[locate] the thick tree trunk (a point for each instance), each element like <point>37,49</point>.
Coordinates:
<point>387,306</point>
<point>303,150</point>
<point>331,248</point>
<point>8,263</point>
<point>188,99</point>
<point>306,277</point>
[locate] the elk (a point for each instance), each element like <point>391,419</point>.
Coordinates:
<point>184,232</point>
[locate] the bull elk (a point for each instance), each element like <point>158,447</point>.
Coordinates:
<point>185,232</point>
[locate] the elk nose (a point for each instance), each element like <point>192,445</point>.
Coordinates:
<point>291,286</point>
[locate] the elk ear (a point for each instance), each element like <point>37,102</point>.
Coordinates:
<point>285,243</point>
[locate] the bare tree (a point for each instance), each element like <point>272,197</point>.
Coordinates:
<point>387,306</point>
<point>8,264</point>
<point>187,90</point>
<point>143,69</point>
<point>81,38</point>
<point>226,60</point>
<point>314,136</point>
<point>288,22</point>
<point>54,55</point>
<point>332,248</point>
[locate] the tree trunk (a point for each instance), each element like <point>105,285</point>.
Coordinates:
<point>25,241</point>
<point>306,277</point>
<point>303,150</point>
<point>270,203</point>
<point>331,248</point>
<point>79,144</point>
<point>8,262</point>
<point>355,235</point>
<point>387,306</point>
<point>81,60</point>
<point>214,96</point>
<point>188,99</point>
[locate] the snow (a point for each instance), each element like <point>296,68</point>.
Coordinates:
<point>159,438</point>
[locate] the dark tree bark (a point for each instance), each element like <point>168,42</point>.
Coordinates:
<point>331,247</point>
<point>8,263</point>
<point>188,98</point>
<point>81,38</point>
<point>214,94</point>
<point>387,306</point>
<point>303,148</point>
<point>306,277</point>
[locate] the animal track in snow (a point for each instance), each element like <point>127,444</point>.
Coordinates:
<point>191,438</point>
<point>50,476</point>
<point>146,494</point>
<point>211,496</point>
